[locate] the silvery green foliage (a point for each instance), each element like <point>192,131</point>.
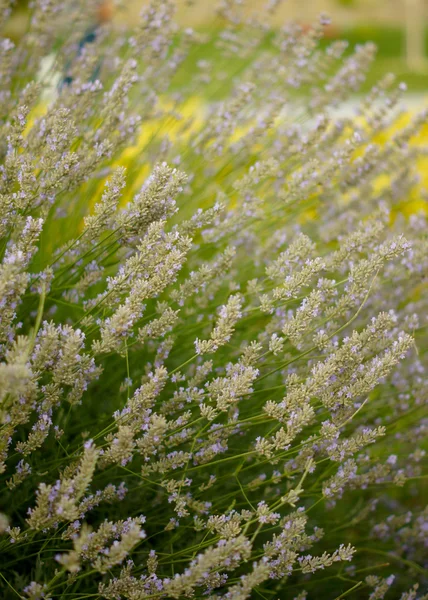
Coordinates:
<point>212,320</point>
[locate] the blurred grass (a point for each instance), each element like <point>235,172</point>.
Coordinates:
<point>390,41</point>
<point>390,58</point>
<point>391,44</point>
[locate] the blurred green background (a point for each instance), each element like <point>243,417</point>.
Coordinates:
<point>399,28</point>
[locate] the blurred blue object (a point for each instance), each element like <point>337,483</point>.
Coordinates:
<point>88,38</point>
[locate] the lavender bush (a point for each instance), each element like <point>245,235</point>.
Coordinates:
<point>213,314</point>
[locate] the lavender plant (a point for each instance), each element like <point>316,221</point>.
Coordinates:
<point>212,315</point>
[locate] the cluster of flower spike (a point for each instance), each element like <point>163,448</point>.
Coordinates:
<point>212,311</point>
